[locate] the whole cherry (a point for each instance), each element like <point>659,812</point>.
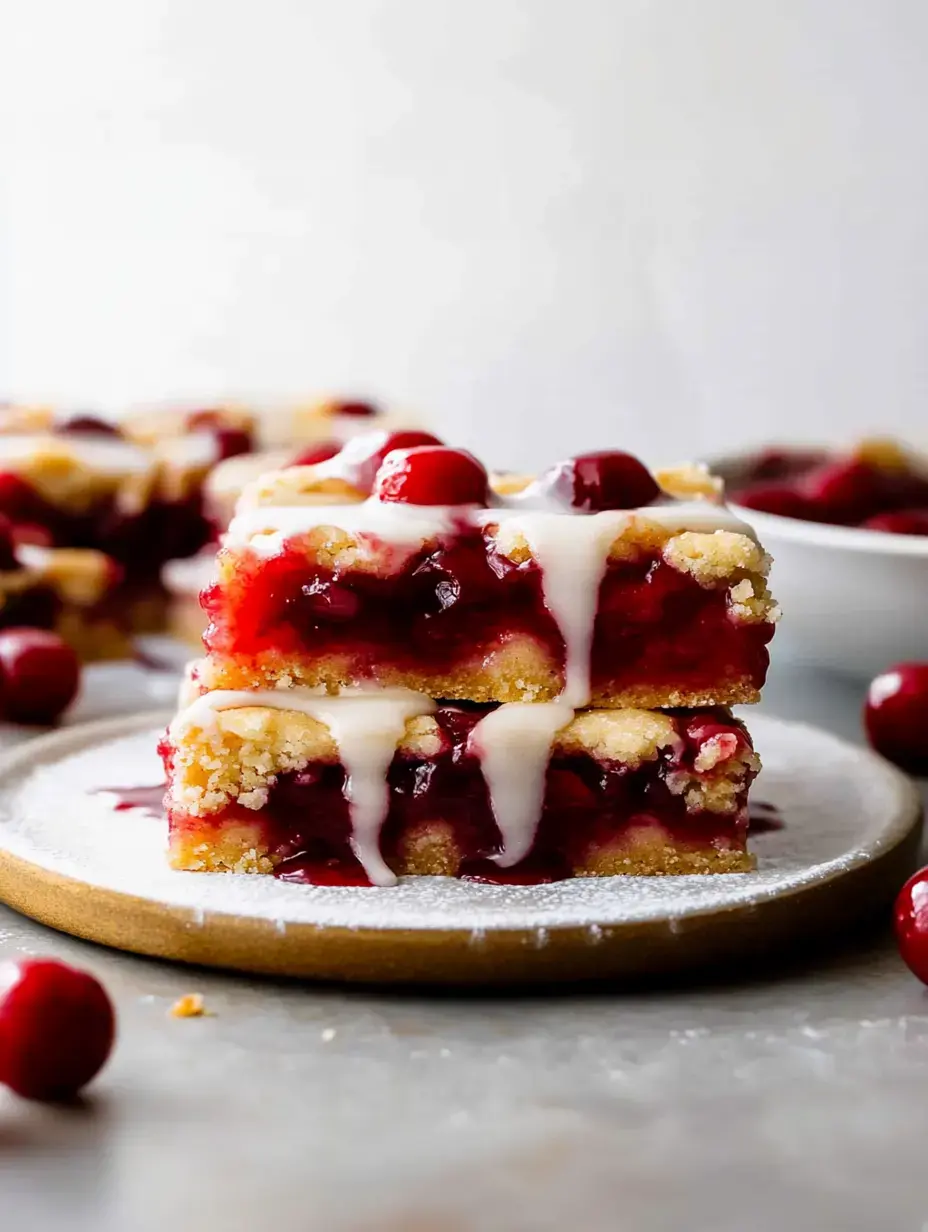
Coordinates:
<point>356,409</point>
<point>57,1027</point>
<point>845,491</point>
<point>230,442</point>
<point>8,559</point>
<point>896,716</point>
<point>317,453</point>
<point>432,475</point>
<point>361,458</point>
<point>593,482</point>
<point>775,496</point>
<point>87,425</point>
<point>910,918</point>
<point>39,675</point>
<point>900,522</point>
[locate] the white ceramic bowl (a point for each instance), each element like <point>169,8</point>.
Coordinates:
<point>854,601</point>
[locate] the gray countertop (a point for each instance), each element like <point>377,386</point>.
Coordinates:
<point>799,1101</point>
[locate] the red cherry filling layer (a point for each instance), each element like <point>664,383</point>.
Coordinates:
<point>589,805</point>
<point>456,601</point>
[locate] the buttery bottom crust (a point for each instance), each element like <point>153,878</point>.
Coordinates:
<point>516,671</point>
<point>430,851</point>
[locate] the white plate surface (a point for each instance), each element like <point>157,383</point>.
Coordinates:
<point>841,806</point>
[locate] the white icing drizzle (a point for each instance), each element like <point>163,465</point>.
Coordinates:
<point>266,529</point>
<point>366,726</point>
<point>357,449</point>
<point>513,744</point>
<point>572,554</point>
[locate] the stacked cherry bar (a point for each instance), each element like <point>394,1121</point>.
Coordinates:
<point>414,669</point>
<point>90,510</point>
<point>877,486</point>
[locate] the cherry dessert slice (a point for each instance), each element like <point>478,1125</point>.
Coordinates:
<point>57,1027</point>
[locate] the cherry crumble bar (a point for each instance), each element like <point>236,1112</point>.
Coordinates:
<point>591,625</point>
<point>261,788</point>
<point>510,589</point>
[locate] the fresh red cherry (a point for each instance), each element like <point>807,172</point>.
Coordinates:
<point>317,453</point>
<point>230,442</point>
<point>432,475</point>
<point>776,462</point>
<point>19,500</point>
<point>359,410</point>
<point>896,716</point>
<point>39,675</point>
<point>900,522</point>
<point>8,559</point>
<point>33,533</point>
<point>911,923</point>
<point>783,499</point>
<point>594,482</point>
<point>364,455</point>
<point>87,425</point>
<point>57,1027</point>
<point>845,490</point>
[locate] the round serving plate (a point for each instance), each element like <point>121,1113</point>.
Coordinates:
<point>70,859</point>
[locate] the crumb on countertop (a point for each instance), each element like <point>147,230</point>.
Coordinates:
<point>191,1005</point>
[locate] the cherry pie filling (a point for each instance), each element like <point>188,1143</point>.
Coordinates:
<point>590,806</point>
<point>876,488</point>
<point>457,599</point>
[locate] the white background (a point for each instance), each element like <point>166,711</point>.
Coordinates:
<point>549,224</point>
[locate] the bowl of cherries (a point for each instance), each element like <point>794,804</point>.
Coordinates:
<point>848,533</point>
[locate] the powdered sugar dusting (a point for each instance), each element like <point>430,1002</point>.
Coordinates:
<point>840,805</point>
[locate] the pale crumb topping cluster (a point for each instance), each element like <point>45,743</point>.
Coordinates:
<point>240,754</point>
<point>691,481</point>
<point>19,418</point>
<point>227,481</point>
<point>61,474</point>
<point>297,485</point>
<point>191,1005</point>
<point>78,575</point>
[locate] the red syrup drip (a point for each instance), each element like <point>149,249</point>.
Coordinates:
<point>304,870</point>
<point>148,798</point>
<point>764,818</point>
<point>531,871</point>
